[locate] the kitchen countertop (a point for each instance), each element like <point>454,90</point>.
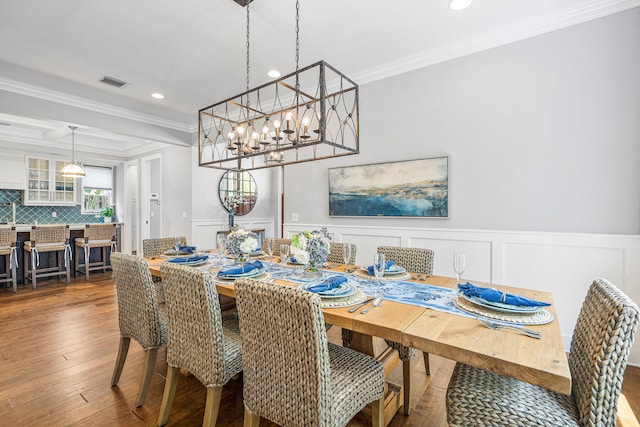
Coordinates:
<point>22,228</point>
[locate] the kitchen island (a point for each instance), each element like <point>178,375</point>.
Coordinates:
<point>48,259</point>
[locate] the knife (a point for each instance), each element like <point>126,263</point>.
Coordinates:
<point>362,304</point>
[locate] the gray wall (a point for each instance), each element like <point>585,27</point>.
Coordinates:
<point>542,134</point>
<point>207,206</point>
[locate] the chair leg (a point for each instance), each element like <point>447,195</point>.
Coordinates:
<point>250,419</point>
<point>76,263</point>
<point>406,384</point>
<point>377,412</point>
<point>67,262</point>
<point>87,258</point>
<point>25,267</point>
<point>104,259</point>
<point>14,278</point>
<point>170,386</point>
<point>149,366</point>
<point>34,270</point>
<point>212,406</point>
<point>123,349</point>
<point>427,367</point>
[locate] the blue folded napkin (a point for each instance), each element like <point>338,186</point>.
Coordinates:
<point>187,249</point>
<point>493,295</point>
<point>250,266</point>
<point>327,284</point>
<point>189,259</point>
<point>372,273</point>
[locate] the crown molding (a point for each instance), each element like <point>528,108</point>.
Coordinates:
<point>567,17</point>
<point>86,104</point>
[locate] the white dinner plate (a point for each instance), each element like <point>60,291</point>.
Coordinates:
<point>501,307</point>
<point>249,274</point>
<point>394,270</point>
<point>342,290</point>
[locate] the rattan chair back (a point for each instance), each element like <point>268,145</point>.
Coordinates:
<point>194,322</point>
<point>335,253</point>
<point>286,360</point>
<point>95,234</point>
<point>276,247</point>
<point>8,236</point>
<point>153,247</point>
<point>138,311</point>
<point>415,260</point>
<point>600,347</point>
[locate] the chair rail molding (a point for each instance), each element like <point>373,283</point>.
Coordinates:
<point>564,264</point>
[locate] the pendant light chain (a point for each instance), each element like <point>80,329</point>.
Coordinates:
<point>248,35</point>
<point>297,44</point>
<point>73,143</point>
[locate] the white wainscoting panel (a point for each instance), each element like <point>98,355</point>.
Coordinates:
<point>562,263</point>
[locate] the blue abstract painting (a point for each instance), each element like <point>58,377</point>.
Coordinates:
<point>414,188</point>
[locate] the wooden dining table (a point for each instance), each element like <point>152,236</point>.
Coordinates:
<point>541,362</point>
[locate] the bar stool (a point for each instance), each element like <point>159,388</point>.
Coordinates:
<point>47,239</point>
<point>96,236</point>
<point>8,239</point>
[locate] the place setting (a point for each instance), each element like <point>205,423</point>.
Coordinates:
<point>502,306</point>
<point>252,269</point>
<point>335,291</point>
<point>391,272</point>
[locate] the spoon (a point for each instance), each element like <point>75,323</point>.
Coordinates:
<point>377,302</point>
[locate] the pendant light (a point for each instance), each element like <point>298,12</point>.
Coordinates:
<point>73,169</point>
<point>309,114</point>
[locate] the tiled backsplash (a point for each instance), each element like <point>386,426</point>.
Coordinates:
<point>42,214</point>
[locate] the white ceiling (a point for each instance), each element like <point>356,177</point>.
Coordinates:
<point>193,51</point>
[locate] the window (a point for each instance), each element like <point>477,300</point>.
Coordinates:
<point>97,189</point>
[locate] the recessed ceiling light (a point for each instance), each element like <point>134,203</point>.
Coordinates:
<point>274,74</point>
<point>459,4</point>
<point>157,95</point>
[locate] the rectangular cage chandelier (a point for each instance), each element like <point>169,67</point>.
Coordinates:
<point>301,117</point>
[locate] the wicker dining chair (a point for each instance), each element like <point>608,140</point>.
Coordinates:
<point>335,253</point>
<point>598,357</point>
<point>96,236</point>
<point>44,240</point>
<point>415,260</point>
<point>139,316</point>
<point>154,247</point>
<point>292,375</point>
<point>8,239</point>
<point>276,247</point>
<point>198,339</point>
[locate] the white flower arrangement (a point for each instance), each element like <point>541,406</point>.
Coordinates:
<point>310,247</point>
<point>242,242</point>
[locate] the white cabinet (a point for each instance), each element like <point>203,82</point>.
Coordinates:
<point>46,185</point>
<point>13,175</point>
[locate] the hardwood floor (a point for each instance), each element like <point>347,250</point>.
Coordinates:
<point>57,351</point>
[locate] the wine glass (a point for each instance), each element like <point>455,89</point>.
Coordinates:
<point>270,247</point>
<point>379,265</point>
<point>284,253</point>
<point>221,242</point>
<point>346,255</point>
<point>176,245</point>
<point>459,264</point>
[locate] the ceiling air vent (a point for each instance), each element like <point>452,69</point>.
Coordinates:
<point>112,81</point>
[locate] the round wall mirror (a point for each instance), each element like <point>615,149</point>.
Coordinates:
<point>237,191</point>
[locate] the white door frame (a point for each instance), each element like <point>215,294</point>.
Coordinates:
<point>145,195</point>
<point>131,210</point>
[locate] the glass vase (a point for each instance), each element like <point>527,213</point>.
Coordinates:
<point>313,270</point>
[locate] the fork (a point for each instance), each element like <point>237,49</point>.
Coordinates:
<point>495,326</point>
